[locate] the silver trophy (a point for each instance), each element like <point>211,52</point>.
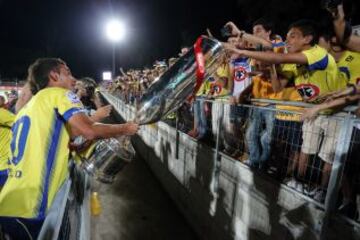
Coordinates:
<point>172,89</point>
<point>165,95</point>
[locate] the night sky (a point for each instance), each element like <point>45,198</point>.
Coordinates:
<point>74,29</point>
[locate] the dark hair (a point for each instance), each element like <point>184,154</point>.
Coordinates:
<point>89,81</point>
<point>266,24</point>
<point>90,86</point>
<point>38,72</point>
<point>307,28</point>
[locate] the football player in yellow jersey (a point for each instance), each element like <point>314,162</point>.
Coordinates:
<point>6,121</point>
<point>316,74</point>
<point>39,147</point>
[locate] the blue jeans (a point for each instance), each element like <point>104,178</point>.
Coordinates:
<point>200,117</point>
<point>259,136</point>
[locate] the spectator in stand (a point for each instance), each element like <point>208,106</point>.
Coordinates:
<point>343,29</point>
<point>11,100</point>
<point>240,69</point>
<point>6,121</point>
<point>259,138</point>
<point>85,90</point>
<point>52,115</point>
<point>261,125</point>
<point>172,61</point>
<point>261,37</point>
<point>335,103</point>
<point>287,132</point>
<point>347,61</point>
<point>220,90</point>
<point>24,97</point>
<point>183,51</point>
<point>316,74</point>
<point>199,108</point>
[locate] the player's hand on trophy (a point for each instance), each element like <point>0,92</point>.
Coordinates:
<point>131,128</point>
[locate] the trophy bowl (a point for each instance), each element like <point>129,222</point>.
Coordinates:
<point>172,89</point>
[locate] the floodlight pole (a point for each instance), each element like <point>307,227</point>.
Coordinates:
<point>113,59</point>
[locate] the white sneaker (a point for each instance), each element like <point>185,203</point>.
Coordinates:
<point>320,195</point>
<point>292,183</point>
<point>298,186</point>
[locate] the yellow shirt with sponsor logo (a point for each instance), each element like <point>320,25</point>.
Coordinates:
<point>349,66</point>
<point>39,153</point>
<point>319,76</point>
<point>6,121</point>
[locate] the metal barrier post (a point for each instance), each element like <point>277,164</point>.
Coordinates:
<point>216,161</point>
<point>177,134</point>
<point>342,148</point>
<point>218,130</point>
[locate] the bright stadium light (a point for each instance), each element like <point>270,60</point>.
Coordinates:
<point>115,30</point>
<point>107,76</point>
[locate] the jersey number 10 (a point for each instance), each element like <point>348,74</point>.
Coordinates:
<point>20,131</point>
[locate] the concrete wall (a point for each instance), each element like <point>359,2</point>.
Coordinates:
<point>222,198</point>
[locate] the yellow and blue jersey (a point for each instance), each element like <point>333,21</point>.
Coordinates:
<point>319,76</point>
<point>39,153</point>
<point>349,66</point>
<point>6,121</point>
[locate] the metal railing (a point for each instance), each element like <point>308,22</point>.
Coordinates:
<point>317,158</point>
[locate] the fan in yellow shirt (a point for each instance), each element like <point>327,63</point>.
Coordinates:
<point>316,74</point>
<point>347,61</point>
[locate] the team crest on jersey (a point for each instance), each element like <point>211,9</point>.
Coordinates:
<point>240,74</point>
<point>211,79</point>
<point>217,88</point>
<point>308,91</point>
<point>72,97</point>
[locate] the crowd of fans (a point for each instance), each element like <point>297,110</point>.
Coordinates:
<point>132,84</point>
<point>317,65</point>
<point>314,65</point>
